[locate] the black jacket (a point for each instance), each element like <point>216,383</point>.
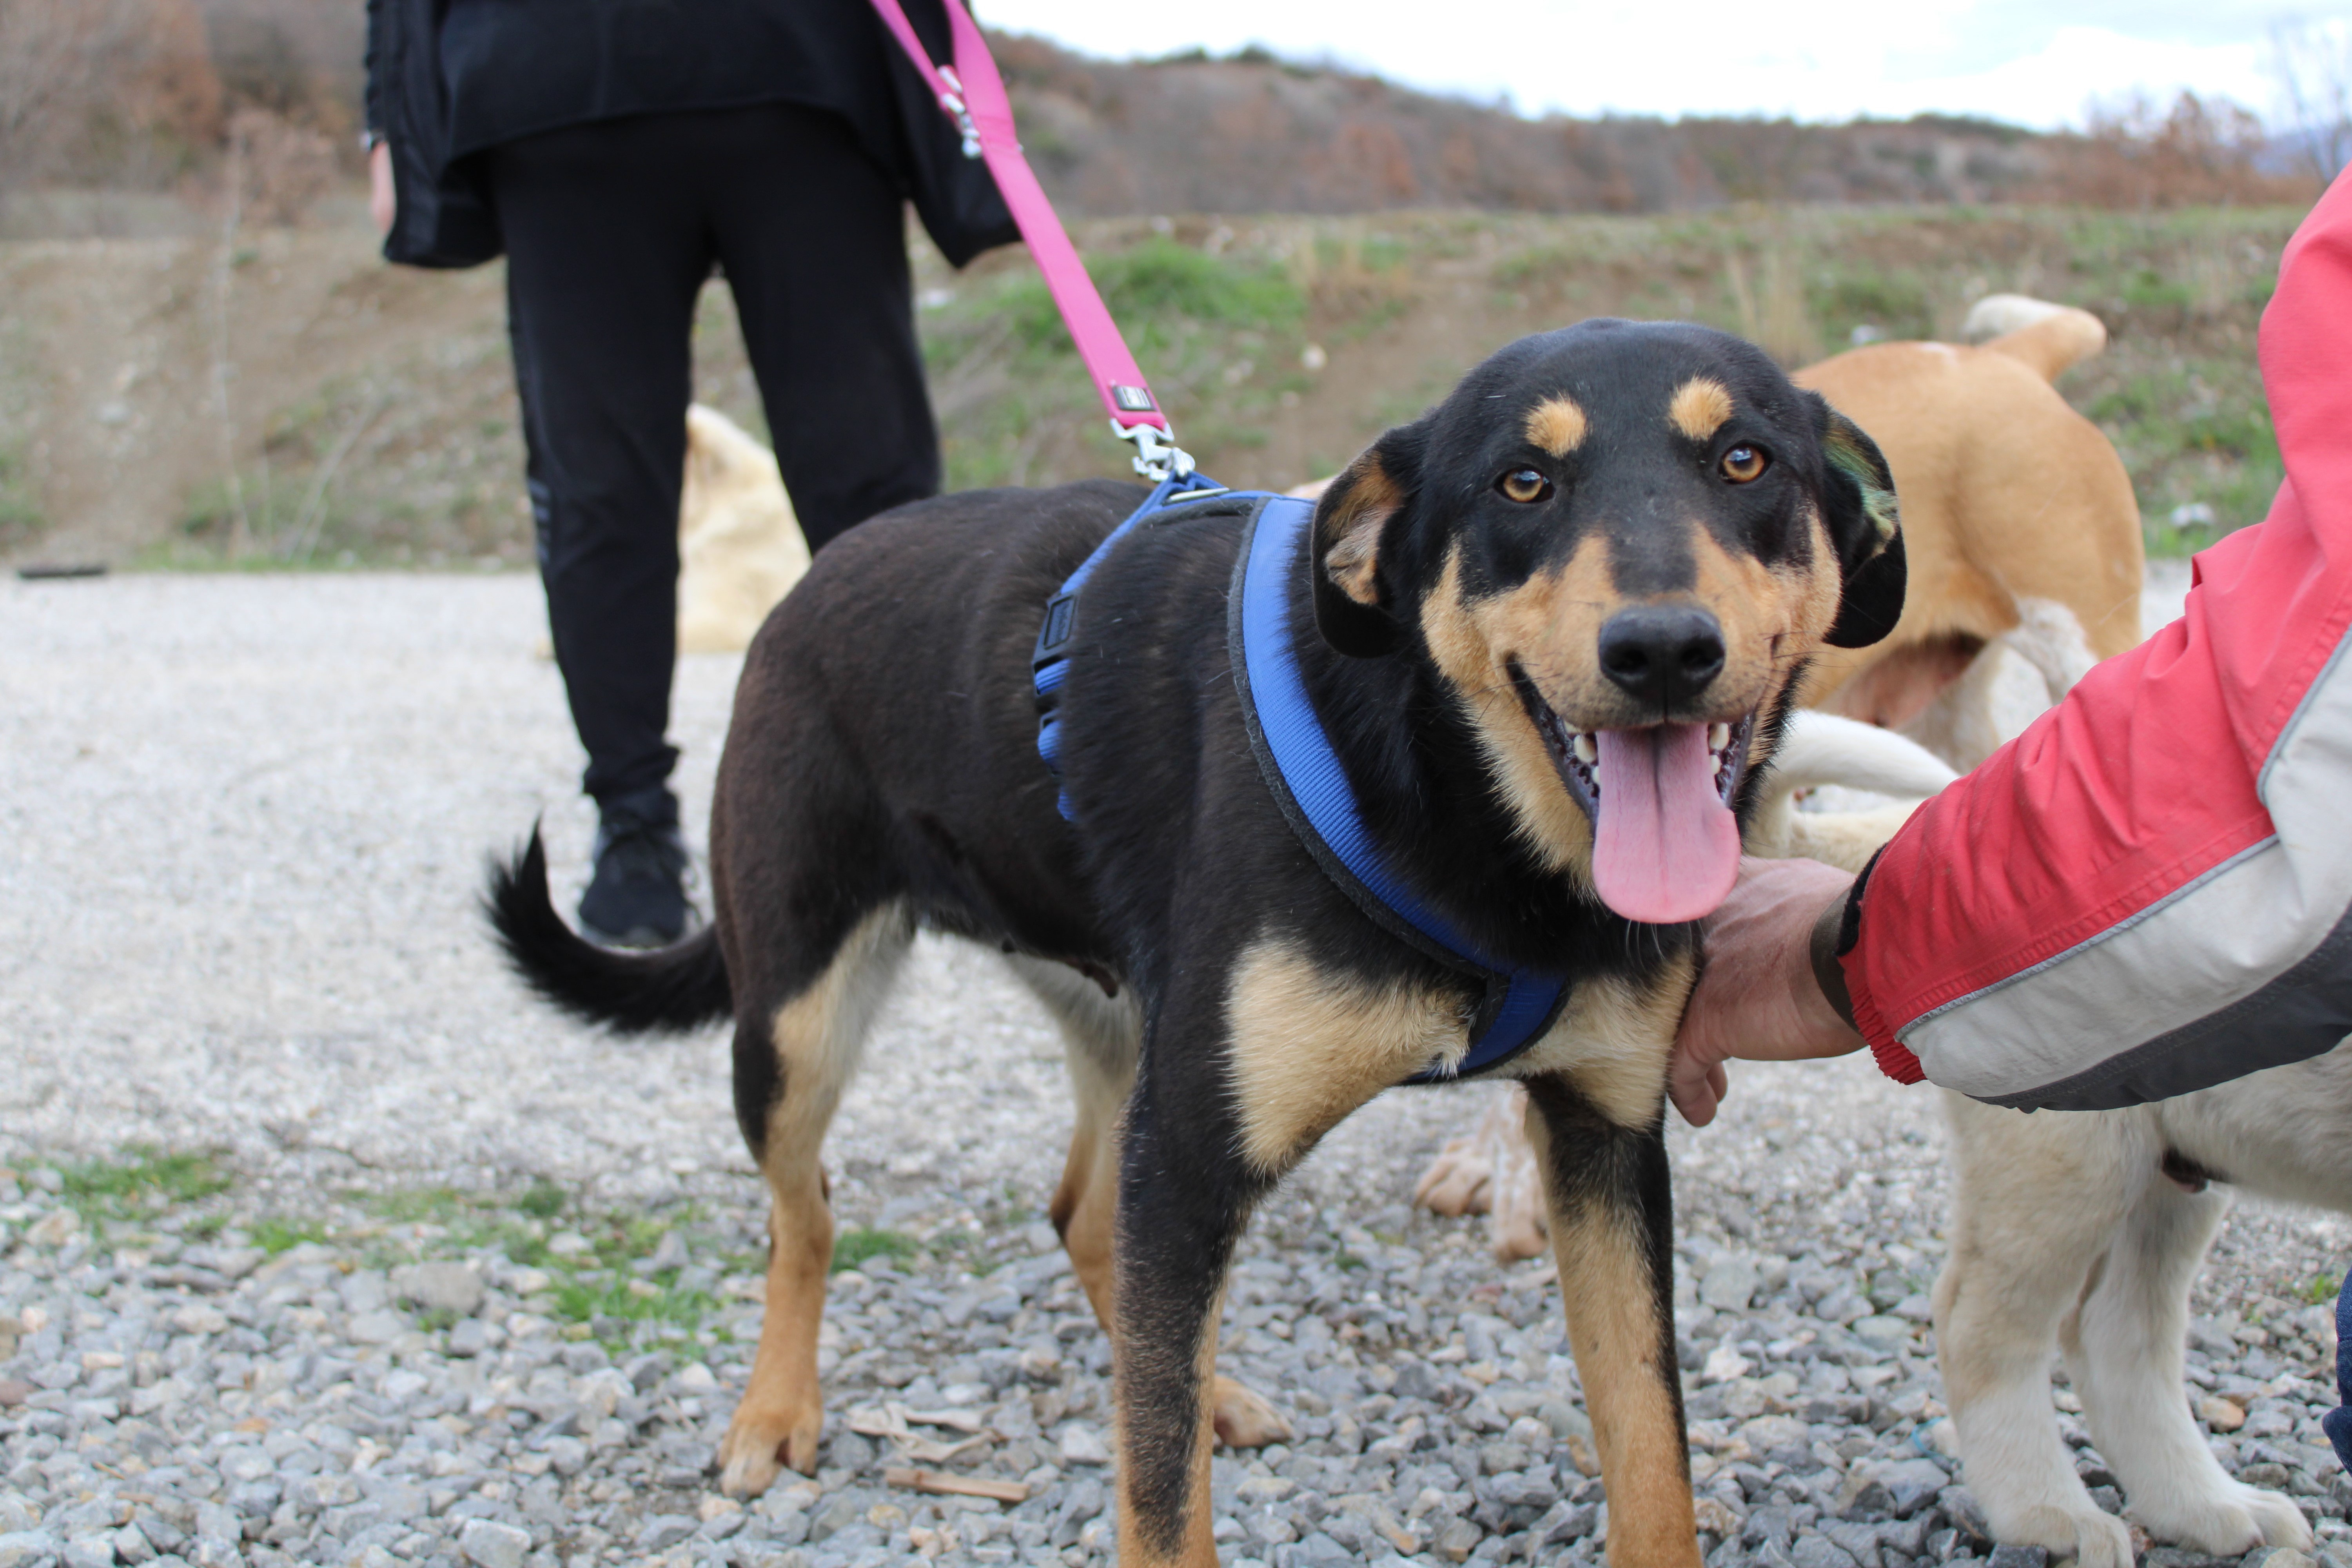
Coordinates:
<point>604,59</point>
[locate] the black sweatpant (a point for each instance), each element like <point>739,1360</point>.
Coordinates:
<point>611,230</point>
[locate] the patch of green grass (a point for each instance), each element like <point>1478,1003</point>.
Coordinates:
<point>2321,1288</point>
<point>543,1200</point>
<point>419,1205</point>
<point>274,1234</point>
<point>1218,334</point>
<point>20,504</point>
<point>143,1180</point>
<point>855,1246</point>
<point>656,1300</point>
<point>1896,303</point>
<point>2146,289</point>
<point>1156,290</point>
<point>2192,433</point>
<point>583,1287</point>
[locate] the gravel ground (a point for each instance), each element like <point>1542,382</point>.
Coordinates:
<point>318,1245</point>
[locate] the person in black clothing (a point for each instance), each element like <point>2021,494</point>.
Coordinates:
<point>617,152</point>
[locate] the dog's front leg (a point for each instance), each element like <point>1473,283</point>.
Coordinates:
<point>1613,1234</point>
<point>1184,1197</point>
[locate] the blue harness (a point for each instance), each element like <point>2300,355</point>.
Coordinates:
<point>1296,758</point>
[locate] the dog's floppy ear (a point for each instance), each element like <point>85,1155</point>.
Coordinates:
<point>1867,531</point>
<point>1351,605</point>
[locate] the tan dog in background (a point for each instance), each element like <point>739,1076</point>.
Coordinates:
<point>739,546</point>
<point>2023,536</point>
<point>2020,521</point>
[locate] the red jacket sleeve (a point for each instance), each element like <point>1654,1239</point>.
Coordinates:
<point>2146,892</point>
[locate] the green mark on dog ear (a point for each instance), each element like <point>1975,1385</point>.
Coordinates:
<point>1856,456</point>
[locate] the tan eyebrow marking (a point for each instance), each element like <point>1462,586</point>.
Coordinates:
<point>1699,407</point>
<point>1557,424</point>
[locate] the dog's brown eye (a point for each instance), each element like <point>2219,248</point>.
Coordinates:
<point>1741,464</point>
<point>1524,485</point>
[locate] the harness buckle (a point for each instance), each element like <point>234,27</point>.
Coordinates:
<point>1157,459</point>
<point>1061,613</point>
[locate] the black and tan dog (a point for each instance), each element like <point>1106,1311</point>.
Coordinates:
<point>1550,629</point>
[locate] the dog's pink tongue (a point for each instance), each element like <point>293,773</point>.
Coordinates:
<point>1664,847</point>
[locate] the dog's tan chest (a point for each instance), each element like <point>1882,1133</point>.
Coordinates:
<point>1612,1040</point>
<point>1307,1045</point>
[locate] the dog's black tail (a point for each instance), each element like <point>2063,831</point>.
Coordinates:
<point>670,989</point>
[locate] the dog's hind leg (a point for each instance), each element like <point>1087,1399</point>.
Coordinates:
<point>2037,1206</point>
<point>1612,1234</point>
<point>791,1065</point>
<point>2124,1348</point>
<point>1100,1037</point>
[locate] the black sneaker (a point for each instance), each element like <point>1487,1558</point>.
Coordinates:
<point>637,897</point>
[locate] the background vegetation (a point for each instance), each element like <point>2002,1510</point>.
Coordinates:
<point>202,361</point>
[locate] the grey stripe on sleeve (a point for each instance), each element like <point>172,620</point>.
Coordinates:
<point>2247,967</point>
<point>2306,1011</point>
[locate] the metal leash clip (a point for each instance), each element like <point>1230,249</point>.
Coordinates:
<point>1155,458</point>
<point>953,101</point>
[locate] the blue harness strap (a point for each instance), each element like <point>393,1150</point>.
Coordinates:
<point>1049,665</point>
<point>1305,777</point>
<point>1295,757</point>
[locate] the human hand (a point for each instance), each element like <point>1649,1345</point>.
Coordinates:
<point>1757,997</point>
<point>382,201</point>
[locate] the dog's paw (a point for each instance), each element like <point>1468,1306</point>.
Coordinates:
<point>1245,1420</point>
<point>2101,1541</point>
<point>2227,1523</point>
<point>2281,1522</point>
<point>1459,1181</point>
<point>762,1440</point>
<point>2095,1540</point>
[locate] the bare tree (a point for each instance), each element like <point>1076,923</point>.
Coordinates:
<point>69,67</point>
<point>2310,64</point>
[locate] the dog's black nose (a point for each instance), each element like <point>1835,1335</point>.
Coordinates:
<point>1661,656</point>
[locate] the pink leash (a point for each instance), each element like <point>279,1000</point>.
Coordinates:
<point>973,96</point>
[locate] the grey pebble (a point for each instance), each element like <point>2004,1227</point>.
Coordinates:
<point>489,1544</point>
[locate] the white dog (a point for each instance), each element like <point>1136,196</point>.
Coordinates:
<point>2084,1231</point>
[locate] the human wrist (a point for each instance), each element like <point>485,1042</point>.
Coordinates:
<point>1829,974</point>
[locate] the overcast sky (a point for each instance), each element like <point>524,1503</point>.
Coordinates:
<point>2033,62</point>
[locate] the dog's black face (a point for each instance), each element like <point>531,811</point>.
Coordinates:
<point>1617,543</point>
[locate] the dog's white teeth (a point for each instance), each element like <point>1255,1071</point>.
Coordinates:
<point>1586,752</point>
<point>1717,737</point>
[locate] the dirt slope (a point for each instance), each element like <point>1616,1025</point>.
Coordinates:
<point>371,413</point>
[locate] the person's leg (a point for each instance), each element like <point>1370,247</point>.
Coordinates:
<point>813,235</point>
<point>607,247</point>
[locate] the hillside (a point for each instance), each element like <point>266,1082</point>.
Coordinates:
<point>165,96</point>
<point>1252,134</point>
<point>371,411</point>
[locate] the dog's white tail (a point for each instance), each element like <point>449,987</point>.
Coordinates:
<point>1822,749</point>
